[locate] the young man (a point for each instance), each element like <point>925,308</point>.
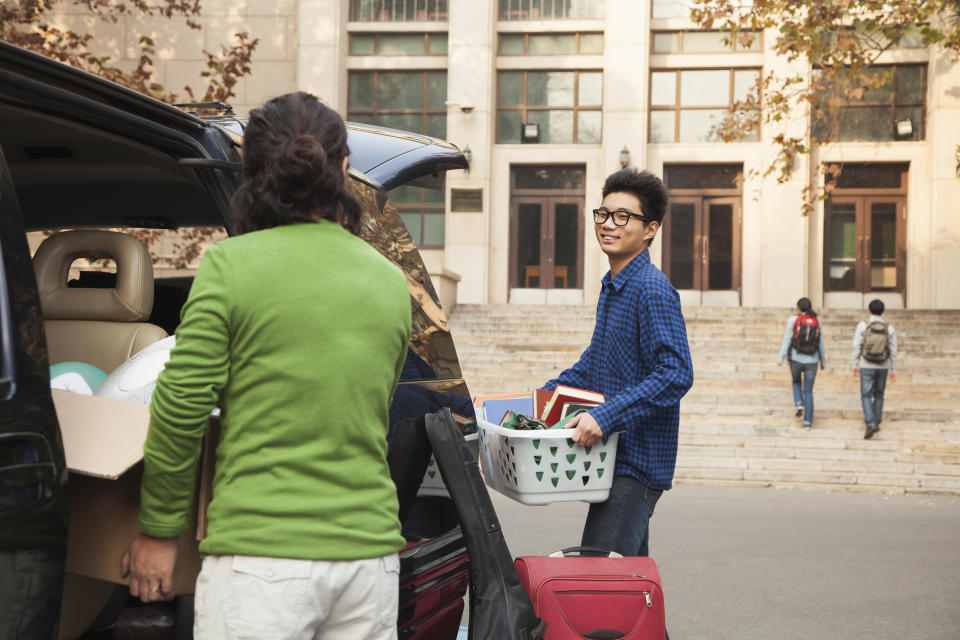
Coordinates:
<point>874,354</point>
<point>638,359</point>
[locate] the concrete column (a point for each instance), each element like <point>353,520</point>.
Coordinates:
<point>943,258</point>
<point>786,265</point>
<point>322,51</point>
<point>471,79</point>
<point>626,63</point>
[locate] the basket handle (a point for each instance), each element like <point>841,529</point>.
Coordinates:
<point>569,551</point>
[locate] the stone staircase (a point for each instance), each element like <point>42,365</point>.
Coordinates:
<point>737,423</point>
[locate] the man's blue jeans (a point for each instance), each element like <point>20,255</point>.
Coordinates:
<point>804,394</point>
<point>872,384</point>
<point>622,522</point>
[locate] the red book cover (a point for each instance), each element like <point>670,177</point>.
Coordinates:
<point>562,395</point>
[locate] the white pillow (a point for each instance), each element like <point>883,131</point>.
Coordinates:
<point>135,379</point>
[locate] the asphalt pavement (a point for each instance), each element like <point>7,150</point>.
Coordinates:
<point>773,564</point>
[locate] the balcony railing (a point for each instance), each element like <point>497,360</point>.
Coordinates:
<point>551,9</point>
<point>398,10</point>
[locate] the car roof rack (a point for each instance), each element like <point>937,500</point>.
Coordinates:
<point>217,104</point>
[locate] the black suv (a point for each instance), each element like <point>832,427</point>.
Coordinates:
<point>79,152</point>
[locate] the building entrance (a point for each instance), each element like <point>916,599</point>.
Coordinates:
<point>865,235</point>
<point>701,233</point>
<point>546,227</point>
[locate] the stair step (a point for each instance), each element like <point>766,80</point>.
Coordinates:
<point>737,422</point>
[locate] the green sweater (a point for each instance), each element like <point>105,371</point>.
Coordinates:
<point>298,333</point>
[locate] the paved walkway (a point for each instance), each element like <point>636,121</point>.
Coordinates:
<point>780,565</point>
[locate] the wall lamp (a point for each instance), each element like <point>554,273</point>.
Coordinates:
<point>624,157</point>
<point>904,129</point>
<point>530,133</point>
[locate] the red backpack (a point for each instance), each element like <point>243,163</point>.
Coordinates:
<point>806,334</point>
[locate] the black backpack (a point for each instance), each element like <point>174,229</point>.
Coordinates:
<point>806,334</point>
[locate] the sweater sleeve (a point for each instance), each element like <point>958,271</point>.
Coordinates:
<point>785,344</point>
<point>893,347</point>
<point>857,345</point>
<point>187,391</point>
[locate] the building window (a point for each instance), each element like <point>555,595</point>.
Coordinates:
<point>407,100</point>
<point>551,9</point>
<point>705,42</point>
<point>688,105</point>
<point>398,44</point>
<point>398,10</point>
<point>671,8</point>
<point>892,111</point>
<point>548,44</point>
<point>422,213</point>
<point>410,101</point>
<point>567,105</point>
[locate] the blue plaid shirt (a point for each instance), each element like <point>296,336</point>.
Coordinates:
<point>639,359</point>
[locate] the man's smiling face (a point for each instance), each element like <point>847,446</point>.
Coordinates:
<point>623,244</point>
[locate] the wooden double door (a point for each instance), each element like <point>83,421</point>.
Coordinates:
<point>701,243</point>
<point>546,235</point>
<point>865,243</point>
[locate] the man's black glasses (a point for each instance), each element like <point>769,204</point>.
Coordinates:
<point>620,217</point>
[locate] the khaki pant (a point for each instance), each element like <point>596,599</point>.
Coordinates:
<point>241,597</point>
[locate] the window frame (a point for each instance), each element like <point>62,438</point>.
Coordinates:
<point>523,108</point>
<point>733,47</point>
<point>424,112</point>
<point>422,208</point>
<point>426,35</point>
<point>893,104</point>
<point>678,108</point>
<point>526,42</point>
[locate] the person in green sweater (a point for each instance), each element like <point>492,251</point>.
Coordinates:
<point>297,330</point>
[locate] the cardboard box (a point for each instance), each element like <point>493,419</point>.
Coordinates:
<point>103,441</point>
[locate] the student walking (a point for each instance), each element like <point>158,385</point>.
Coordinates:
<point>874,355</point>
<point>803,346</point>
<point>297,329</point>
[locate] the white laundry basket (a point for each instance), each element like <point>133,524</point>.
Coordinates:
<point>540,467</point>
<point>432,483</point>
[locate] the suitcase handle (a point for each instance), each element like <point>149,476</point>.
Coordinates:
<point>569,551</point>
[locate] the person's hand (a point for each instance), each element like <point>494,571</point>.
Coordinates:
<point>779,363</point>
<point>856,372</point>
<point>586,430</point>
<point>149,561</point>
<point>823,367</point>
<point>893,376</point>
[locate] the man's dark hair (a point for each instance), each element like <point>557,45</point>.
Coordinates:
<point>876,307</point>
<point>647,187</point>
<point>293,151</point>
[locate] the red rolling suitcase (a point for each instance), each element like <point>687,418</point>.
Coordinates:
<point>600,598</point>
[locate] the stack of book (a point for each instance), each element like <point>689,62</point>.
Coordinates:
<point>548,407</point>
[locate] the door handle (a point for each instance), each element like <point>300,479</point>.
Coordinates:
<point>706,248</point>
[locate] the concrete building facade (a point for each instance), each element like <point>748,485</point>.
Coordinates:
<point>548,97</point>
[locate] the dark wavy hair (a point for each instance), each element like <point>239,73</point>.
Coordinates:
<point>293,151</point>
<point>806,307</point>
<point>647,187</point>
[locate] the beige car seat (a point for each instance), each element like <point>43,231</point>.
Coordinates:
<point>102,327</point>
